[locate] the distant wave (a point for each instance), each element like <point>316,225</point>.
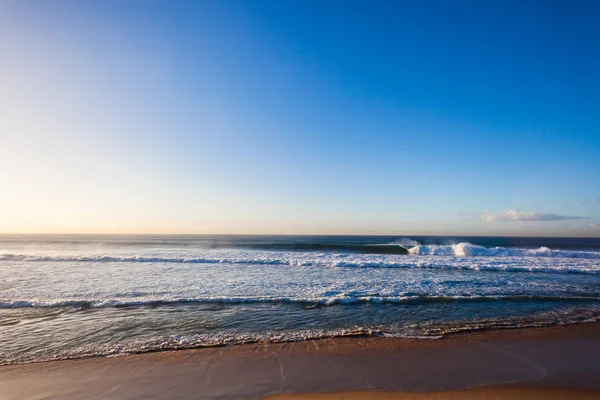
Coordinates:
<point>292,243</point>
<point>467,249</point>
<point>392,248</point>
<point>308,301</point>
<point>509,260</point>
<point>141,259</point>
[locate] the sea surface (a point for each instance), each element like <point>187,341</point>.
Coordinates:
<point>77,296</point>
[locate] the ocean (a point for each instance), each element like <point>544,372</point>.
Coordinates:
<point>70,296</point>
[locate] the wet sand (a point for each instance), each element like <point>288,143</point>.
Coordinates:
<point>502,362</point>
<point>486,393</point>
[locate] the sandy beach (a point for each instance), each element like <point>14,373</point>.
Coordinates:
<point>487,393</point>
<point>554,362</point>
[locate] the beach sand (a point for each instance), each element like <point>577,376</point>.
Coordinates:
<point>486,393</point>
<point>502,364</point>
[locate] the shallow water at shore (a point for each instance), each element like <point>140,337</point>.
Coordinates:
<point>532,359</point>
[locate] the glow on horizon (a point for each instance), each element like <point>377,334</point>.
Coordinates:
<point>135,117</point>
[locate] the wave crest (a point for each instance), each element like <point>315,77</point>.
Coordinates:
<point>424,257</point>
<point>466,249</point>
<point>309,301</point>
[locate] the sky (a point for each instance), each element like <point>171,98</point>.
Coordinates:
<point>300,117</point>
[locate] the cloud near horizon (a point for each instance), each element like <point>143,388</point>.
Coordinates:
<point>518,216</point>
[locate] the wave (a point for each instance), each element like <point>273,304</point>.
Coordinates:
<point>308,301</point>
<point>283,259</point>
<point>402,247</point>
<point>466,249</point>
<point>392,248</point>
<point>141,259</point>
<point>409,246</point>
<point>219,339</point>
<point>182,342</point>
<point>544,319</point>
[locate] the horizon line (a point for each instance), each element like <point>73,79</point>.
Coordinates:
<point>281,234</point>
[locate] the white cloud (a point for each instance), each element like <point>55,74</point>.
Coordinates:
<point>516,216</point>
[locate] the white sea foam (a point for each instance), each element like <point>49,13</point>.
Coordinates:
<point>461,256</point>
<point>466,249</point>
<point>311,300</point>
<point>221,338</point>
<point>135,295</point>
<point>406,243</point>
<point>232,295</point>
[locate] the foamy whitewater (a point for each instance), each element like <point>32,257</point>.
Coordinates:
<point>76,296</point>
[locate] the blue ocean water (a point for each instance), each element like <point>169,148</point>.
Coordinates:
<point>76,296</point>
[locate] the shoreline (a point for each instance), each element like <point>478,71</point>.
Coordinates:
<point>556,356</point>
<point>359,333</point>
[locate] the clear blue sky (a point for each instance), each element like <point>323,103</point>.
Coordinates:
<point>361,117</point>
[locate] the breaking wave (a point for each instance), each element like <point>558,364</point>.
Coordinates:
<point>271,253</point>
<point>466,249</point>
<point>450,257</point>
<point>309,301</point>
